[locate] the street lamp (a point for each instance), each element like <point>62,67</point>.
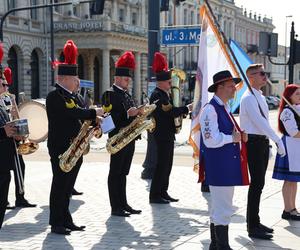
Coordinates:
<point>286,17</point>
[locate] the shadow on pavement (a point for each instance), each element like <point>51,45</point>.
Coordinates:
<point>55,241</point>
<point>121,233</point>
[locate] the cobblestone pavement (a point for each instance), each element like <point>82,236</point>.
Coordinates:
<point>182,225</point>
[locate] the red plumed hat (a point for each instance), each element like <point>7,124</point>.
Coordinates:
<point>160,67</point>
<point>69,66</point>
<point>8,75</point>
<point>125,65</point>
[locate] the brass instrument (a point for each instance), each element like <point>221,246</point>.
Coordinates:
<point>18,168</point>
<point>130,132</point>
<point>27,146</point>
<point>178,77</point>
<point>79,146</point>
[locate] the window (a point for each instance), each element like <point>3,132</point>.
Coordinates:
<point>192,17</point>
<point>134,18</point>
<point>185,17</point>
<point>34,12</point>
<point>56,8</point>
<point>121,15</point>
<point>11,5</point>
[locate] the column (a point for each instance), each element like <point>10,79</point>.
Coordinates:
<point>128,15</point>
<point>105,70</point>
<point>68,9</point>
<point>143,14</point>
<point>137,78</point>
<point>115,11</point>
<point>25,13</point>
<point>85,11</point>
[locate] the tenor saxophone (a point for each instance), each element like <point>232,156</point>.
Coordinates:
<point>79,146</point>
<point>134,129</point>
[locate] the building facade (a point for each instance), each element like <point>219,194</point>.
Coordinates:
<point>101,39</point>
<point>25,44</point>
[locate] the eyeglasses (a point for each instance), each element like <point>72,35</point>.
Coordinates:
<point>261,73</point>
<point>4,85</point>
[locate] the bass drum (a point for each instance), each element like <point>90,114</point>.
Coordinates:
<point>35,112</point>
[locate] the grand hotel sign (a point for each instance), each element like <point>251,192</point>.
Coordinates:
<point>81,26</point>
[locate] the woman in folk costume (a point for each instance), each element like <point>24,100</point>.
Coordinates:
<point>287,168</point>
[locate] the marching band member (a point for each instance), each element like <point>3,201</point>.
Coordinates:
<point>254,118</point>
<point>287,168</point>
<point>123,111</point>
<point>164,133</point>
<point>7,147</point>
<point>64,118</point>
<point>220,154</point>
<point>20,199</point>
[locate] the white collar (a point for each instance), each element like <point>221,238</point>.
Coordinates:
<point>65,88</point>
<point>120,87</point>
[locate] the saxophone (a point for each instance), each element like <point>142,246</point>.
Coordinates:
<point>79,146</point>
<point>178,76</point>
<point>130,132</point>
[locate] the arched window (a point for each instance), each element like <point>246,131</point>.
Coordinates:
<point>96,81</point>
<point>12,62</point>
<point>80,63</point>
<point>35,75</point>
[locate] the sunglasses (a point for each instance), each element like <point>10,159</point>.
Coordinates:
<point>4,85</point>
<point>261,73</point>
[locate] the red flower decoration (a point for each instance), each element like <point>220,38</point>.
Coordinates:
<point>70,52</point>
<point>159,63</point>
<point>126,61</point>
<point>8,75</point>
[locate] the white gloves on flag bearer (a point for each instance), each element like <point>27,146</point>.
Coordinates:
<point>280,148</point>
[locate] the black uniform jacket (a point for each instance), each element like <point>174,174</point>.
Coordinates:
<point>7,147</point>
<point>64,119</point>
<point>121,101</point>
<point>164,115</point>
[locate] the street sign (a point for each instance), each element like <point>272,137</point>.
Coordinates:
<point>86,84</point>
<point>180,36</point>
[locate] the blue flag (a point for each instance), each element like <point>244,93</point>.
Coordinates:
<point>244,61</point>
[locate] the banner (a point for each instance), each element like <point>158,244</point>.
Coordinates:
<point>213,57</point>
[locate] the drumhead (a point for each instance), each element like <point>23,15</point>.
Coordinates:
<point>35,112</point>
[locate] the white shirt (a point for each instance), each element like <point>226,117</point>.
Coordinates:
<point>212,137</point>
<point>251,119</point>
<point>289,122</point>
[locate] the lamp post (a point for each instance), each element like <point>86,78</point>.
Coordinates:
<point>285,50</point>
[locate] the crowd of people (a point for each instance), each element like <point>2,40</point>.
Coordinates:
<point>244,148</point>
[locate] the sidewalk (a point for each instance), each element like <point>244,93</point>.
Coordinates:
<point>182,225</point>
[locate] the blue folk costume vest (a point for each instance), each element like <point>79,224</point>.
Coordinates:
<point>222,166</point>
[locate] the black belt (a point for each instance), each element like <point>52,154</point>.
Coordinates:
<point>257,137</point>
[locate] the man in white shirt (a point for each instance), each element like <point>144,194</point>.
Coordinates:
<point>220,155</point>
<point>254,118</point>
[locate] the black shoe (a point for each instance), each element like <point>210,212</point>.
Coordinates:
<point>159,200</point>
<point>75,192</point>
<point>60,230</point>
<point>8,206</point>
<point>265,228</point>
<point>120,212</point>
<point>130,210</point>
<point>147,174</point>
<point>259,233</point>
<point>24,203</point>
<point>292,215</point>
<point>205,188</point>
<point>73,227</point>
<point>169,198</point>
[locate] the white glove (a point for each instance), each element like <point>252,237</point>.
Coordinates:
<point>280,148</point>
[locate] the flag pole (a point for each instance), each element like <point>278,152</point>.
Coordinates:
<point>227,44</point>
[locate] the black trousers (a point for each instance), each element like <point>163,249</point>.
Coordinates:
<point>119,168</point>
<point>160,180</point>
<point>4,186</point>
<point>258,157</point>
<point>17,189</point>
<point>61,189</point>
